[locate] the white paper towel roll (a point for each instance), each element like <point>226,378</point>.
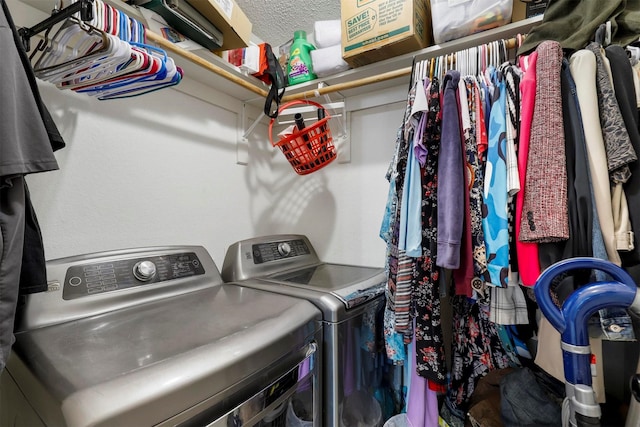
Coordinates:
<point>328,61</point>
<point>327,33</point>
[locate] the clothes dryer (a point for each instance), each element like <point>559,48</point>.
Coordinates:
<point>153,336</point>
<point>357,378</point>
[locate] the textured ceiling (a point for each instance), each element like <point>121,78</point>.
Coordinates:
<point>274,21</point>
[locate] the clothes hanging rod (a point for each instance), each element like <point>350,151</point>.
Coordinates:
<point>390,75</point>
<point>314,93</point>
<point>85,7</point>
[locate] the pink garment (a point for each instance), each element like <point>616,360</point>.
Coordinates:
<point>528,264</point>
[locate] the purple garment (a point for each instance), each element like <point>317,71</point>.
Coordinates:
<point>450,178</point>
<point>422,403</point>
<point>419,148</point>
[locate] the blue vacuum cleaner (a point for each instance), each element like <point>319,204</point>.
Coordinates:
<point>571,321</point>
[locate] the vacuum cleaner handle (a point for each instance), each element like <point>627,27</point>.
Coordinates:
<point>543,284</point>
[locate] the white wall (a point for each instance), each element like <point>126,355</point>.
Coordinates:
<point>160,169</point>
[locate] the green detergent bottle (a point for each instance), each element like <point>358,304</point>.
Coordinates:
<point>300,67</point>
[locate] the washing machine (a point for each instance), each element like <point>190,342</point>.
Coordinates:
<point>153,337</point>
<point>356,386</point>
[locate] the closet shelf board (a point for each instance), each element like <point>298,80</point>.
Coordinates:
<point>209,69</point>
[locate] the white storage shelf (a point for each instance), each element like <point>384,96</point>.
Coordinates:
<point>228,79</point>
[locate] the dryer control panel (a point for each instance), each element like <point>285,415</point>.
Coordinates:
<point>262,256</point>
<point>89,279</point>
<point>274,251</point>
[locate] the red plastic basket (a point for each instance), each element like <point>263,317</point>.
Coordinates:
<point>309,149</point>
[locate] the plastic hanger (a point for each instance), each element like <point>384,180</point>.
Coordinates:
<point>61,46</point>
<point>424,70</point>
<point>474,62</point>
<point>419,70</point>
<point>96,66</point>
<point>172,77</point>
<point>106,58</point>
<point>432,64</point>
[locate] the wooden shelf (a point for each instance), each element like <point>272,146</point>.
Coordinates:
<point>395,71</point>
<point>209,69</point>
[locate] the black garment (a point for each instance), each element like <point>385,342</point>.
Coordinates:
<point>530,399</point>
<point>625,95</point>
<point>33,276</point>
<point>39,158</point>
<point>578,190</point>
<point>56,140</point>
<point>28,136</point>
<point>573,23</point>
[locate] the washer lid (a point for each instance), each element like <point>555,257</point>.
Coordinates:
<point>289,259</point>
<point>353,285</point>
<point>168,355</point>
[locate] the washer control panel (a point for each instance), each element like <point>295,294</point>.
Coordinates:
<point>274,251</point>
<point>89,279</point>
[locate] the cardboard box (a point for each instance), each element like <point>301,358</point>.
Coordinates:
<point>227,16</point>
<point>373,30</point>
<point>529,9</point>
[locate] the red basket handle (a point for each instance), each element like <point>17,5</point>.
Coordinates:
<point>291,104</point>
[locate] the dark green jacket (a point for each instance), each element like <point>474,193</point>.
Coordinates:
<point>573,23</point>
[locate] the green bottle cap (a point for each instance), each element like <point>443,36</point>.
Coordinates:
<point>300,34</point>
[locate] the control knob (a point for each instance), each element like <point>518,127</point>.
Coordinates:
<point>144,270</point>
<point>284,248</point>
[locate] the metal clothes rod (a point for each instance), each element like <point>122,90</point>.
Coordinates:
<point>85,7</point>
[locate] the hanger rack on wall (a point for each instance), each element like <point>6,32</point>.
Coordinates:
<point>85,7</point>
<point>100,51</point>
